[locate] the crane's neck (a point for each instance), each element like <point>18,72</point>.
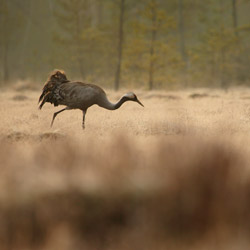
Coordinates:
<point>112,106</point>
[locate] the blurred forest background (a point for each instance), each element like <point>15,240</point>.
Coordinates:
<point>122,43</point>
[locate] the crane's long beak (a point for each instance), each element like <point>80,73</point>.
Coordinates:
<point>140,103</point>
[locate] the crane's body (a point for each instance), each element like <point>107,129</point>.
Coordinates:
<point>58,90</point>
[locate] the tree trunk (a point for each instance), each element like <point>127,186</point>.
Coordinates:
<point>152,48</point>
<point>120,45</point>
<point>5,62</point>
<point>182,38</point>
<point>25,37</point>
<point>93,9</point>
<point>5,43</point>
<point>235,17</point>
<point>222,51</point>
<point>100,12</point>
<point>78,45</point>
<point>181,32</point>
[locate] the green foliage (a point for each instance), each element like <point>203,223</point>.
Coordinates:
<point>216,55</point>
<point>216,58</point>
<point>150,19</point>
<point>10,22</point>
<point>87,46</point>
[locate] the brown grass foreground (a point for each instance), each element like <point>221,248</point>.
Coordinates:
<point>157,182</point>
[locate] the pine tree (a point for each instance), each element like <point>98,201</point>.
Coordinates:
<point>214,57</point>
<point>10,22</point>
<point>120,45</point>
<point>71,17</point>
<point>149,44</point>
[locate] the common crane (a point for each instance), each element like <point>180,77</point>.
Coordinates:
<point>58,90</point>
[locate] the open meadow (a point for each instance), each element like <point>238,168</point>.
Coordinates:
<point>172,175</point>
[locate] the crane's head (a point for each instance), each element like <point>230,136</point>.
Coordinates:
<point>132,97</point>
<point>58,76</point>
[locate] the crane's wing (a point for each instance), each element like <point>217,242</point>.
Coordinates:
<point>79,95</point>
<point>72,94</point>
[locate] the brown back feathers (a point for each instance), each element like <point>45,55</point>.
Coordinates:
<point>57,78</point>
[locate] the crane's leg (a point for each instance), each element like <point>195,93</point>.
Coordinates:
<point>83,119</point>
<point>55,114</point>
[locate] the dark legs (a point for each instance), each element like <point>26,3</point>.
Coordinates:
<point>67,108</point>
<point>83,119</point>
<point>55,114</point>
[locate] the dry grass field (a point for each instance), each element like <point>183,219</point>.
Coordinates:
<point>172,175</point>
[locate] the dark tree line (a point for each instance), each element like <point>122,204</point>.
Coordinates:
<point>144,43</point>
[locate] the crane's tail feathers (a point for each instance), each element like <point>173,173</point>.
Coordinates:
<point>41,105</point>
<point>41,97</point>
<point>44,99</point>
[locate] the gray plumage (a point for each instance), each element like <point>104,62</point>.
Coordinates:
<point>58,90</point>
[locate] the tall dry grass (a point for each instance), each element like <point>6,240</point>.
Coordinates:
<point>174,175</point>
